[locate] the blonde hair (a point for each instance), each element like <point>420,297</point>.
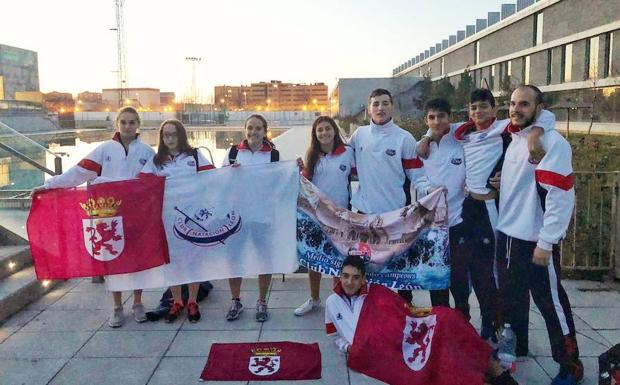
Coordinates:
<point>129,109</point>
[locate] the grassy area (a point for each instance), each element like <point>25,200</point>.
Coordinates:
<point>590,239</point>
<point>595,152</point>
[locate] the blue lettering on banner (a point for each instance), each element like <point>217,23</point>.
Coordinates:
<point>424,266</point>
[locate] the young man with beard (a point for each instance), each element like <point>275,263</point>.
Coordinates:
<point>536,204</point>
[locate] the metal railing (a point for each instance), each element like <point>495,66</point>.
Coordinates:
<point>27,159</point>
<point>591,240</point>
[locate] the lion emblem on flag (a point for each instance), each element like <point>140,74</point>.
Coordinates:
<point>104,238</point>
<point>417,341</point>
<point>264,361</point>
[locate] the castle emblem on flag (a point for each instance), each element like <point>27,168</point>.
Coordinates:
<point>417,341</point>
<point>206,226</point>
<point>104,238</point>
<point>264,361</point>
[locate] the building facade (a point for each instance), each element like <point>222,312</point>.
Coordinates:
<point>274,95</point>
<point>19,71</point>
<point>570,49</point>
<point>350,96</point>
<point>147,99</point>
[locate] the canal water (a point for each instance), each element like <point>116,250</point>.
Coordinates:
<point>74,145</point>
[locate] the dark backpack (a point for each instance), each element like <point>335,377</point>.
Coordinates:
<point>234,150</point>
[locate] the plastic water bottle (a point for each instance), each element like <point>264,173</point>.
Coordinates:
<point>507,348</point>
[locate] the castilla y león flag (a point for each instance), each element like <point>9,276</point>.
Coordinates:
<point>263,361</point>
<point>103,229</point>
<point>392,345</point>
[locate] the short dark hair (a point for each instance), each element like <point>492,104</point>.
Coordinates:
<point>379,92</point>
<point>355,261</point>
<point>539,94</point>
<point>482,95</point>
<point>438,104</point>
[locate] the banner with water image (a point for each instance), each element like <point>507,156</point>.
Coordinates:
<point>405,249</point>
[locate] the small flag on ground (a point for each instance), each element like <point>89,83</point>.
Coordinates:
<point>102,229</point>
<point>441,348</point>
<point>263,361</point>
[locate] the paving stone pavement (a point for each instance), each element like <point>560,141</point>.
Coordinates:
<point>64,339</point>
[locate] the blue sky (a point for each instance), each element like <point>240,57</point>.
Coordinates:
<point>239,41</point>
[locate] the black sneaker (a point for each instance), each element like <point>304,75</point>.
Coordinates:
<point>489,334</point>
<point>504,379</point>
<point>236,308</point>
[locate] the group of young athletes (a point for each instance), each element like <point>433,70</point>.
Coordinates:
<point>510,198</point>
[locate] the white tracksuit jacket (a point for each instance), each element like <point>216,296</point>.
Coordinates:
<point>536,200</point>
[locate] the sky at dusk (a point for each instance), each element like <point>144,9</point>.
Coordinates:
<point>239,41</point>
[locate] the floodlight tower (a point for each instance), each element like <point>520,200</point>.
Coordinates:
<point>194,90</point>
<point>121,53</point>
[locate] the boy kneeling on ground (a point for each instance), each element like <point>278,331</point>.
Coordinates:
<point>344,306</point>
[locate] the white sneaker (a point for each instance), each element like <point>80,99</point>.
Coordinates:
<point>138,313</point>
<point>116,318</point>
<point>307,306</point>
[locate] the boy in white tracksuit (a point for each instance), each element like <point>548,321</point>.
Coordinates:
<point>386,161</point>
<point>344,306</point>
<point>536,204</point>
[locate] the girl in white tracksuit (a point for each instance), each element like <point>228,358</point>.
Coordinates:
<point>329,164</point>
<point>121,158</point>
<point>254,149</point>
<point>175,157</point>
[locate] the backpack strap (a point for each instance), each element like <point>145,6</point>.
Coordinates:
<point>275,155</point>
<point>195,155</point>
<point>232,154</point>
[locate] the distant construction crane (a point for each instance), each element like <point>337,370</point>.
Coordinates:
<point>121,70</point>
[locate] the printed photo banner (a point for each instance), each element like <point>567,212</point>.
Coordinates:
<point>224,223</point>
<point>406,249</point>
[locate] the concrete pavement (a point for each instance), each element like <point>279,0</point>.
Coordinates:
<point>63,339</point>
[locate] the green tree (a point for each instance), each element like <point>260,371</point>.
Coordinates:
<point>443,89</point>
<point>506,88</point>
<point>425,89</point>
<point>463,90</point>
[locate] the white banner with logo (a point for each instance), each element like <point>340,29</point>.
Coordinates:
<point>224,223</point>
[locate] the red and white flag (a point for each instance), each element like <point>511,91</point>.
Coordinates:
<point>392,345</point>
<point>263,361</point>
<point>103,229</point>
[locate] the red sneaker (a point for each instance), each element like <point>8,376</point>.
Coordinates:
<point>193,313</point>
<point>174,312</point>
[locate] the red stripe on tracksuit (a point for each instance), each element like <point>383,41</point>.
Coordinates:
<point>206,167</point>
<point>90,165</point>
<point>412,163</point>
<point>554,179</point>
<point>330,328</point>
